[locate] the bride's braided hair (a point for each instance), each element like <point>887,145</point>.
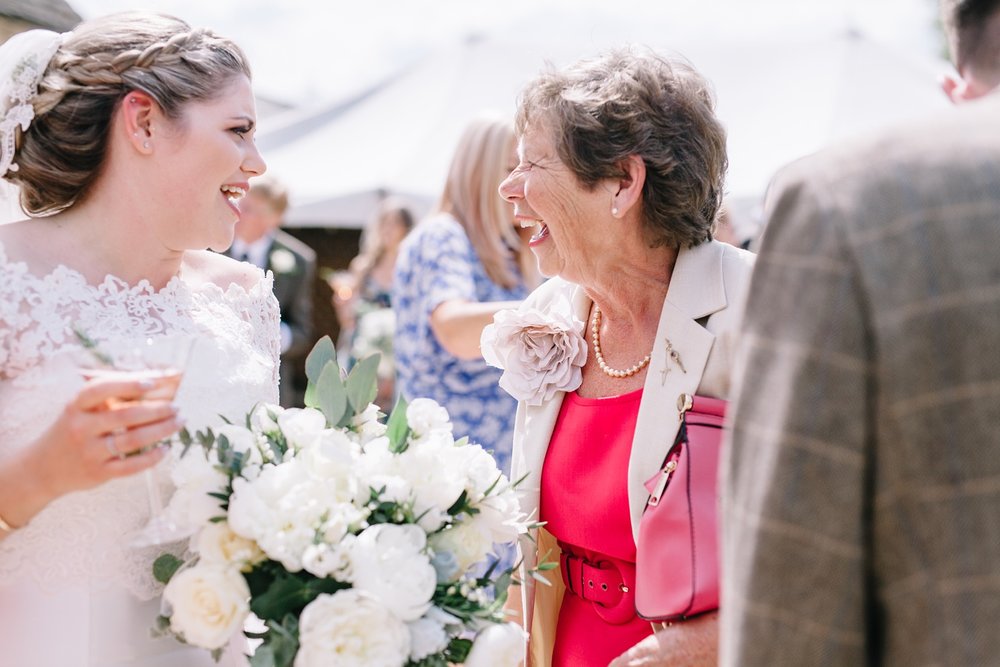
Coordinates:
<point>61,154</point>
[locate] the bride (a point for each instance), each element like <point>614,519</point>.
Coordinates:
<point>130,139</point>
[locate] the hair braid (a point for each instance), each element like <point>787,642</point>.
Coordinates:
<point>60,155</point>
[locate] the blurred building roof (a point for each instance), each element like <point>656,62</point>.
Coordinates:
<point>51,14</point>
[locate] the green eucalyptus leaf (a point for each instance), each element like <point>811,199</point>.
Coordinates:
<point>397,430</point>
<point>362,383</point>
<point>165,567</point>
<point>323,352</point>
<point>280,646</point>
<point>331,396</point>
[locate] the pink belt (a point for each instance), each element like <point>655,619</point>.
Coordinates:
<point>608,583</point>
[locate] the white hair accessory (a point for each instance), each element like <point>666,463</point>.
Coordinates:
<point>23,60</point>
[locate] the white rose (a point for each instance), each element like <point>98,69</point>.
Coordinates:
<point>351,629</point>
<point>424,416</point>
<point>301,426</point>
<point>217,544</point>
<point>499,645</point>
<point>388,561</point>
<point>427,637</point>
<point>468,542</point>
<point>209,604</point>
<point>540,352</point>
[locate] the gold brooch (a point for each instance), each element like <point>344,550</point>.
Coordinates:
<point>672,355</point>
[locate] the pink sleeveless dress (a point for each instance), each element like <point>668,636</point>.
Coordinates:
<point>584,499</point>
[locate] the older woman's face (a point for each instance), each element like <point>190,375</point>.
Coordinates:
<point>567,218</point>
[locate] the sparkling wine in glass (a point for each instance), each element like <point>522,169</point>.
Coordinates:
<point>160,360</point>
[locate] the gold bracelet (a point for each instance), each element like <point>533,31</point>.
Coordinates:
<point>6,527</point>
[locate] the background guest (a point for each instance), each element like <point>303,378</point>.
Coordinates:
<point>362,295</point>
<point>862,518</point>
<point>455,270</point>
<point>260,242</point>
<point>621,169</point>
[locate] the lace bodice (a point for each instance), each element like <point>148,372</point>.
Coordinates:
<point>81,537</point>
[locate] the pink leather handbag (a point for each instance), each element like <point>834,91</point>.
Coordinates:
<point>677,559</point>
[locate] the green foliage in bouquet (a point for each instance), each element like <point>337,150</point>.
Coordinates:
<point>284,587</point>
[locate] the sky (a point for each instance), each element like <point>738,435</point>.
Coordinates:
<point>308,51</point>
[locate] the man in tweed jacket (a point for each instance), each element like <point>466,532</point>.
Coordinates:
<point>861,516</point>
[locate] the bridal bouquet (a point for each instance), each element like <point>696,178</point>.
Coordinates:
<point>356,542</point>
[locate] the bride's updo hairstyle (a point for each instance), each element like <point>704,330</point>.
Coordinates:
<point>61,153</point>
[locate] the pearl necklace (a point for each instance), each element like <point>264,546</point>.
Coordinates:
<point>595,326</point>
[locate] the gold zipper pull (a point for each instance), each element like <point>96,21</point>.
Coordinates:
<point>661,484</point>
<point>684,403</point>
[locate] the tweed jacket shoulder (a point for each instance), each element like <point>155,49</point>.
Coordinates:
<point>862,506</point>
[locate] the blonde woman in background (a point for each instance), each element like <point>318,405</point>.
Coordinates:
<point>362,296</point>
<point>466,261</point>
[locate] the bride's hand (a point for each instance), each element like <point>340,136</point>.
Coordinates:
<point>101,434</point>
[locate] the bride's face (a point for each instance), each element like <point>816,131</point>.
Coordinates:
<point>207,158</point>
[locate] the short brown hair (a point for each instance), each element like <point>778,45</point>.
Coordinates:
<point>273,191</point>
<point>623,103</point>
<point>62,152</point>
<point>973,31</point>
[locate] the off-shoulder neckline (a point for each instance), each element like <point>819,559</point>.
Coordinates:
<point>114,284</point>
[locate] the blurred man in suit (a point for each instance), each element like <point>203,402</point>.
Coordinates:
<point>861,517</point>
<point>260,241</point>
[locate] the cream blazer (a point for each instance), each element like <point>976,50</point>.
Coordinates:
<point>700,314</point>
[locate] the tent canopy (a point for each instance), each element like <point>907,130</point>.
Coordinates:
<point>780,98</point>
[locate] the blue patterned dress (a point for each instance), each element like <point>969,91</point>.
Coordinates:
<point>437,263</point>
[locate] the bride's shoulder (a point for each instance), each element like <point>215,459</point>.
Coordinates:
<point>222,271</point>
<point>16,240</point>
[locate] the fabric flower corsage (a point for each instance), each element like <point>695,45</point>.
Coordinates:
<point>540,352</point>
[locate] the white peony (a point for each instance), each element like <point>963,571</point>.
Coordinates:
<point>326,560</point>
<point>500,515</point>
<point>427,637</point>
<point>498,646</point>
<point>468,542</point>
<point>540,352</point>
<point>284,508</point>
<point>195,476</point>
<point>388,562</point>
<point>424,416</point>
<point>209,604</point>
<point>434,471</point>
<point>217,544</point>
<point>351,629</point>
<point>301,426</point>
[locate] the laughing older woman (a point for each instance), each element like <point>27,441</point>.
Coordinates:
<point>621,165</point>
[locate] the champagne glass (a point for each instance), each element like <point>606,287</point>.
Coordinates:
<point>161,360</point>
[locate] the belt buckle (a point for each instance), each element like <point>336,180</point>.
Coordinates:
<point>586,580</point>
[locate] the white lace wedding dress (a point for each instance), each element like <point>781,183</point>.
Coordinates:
<point>72,592</point>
